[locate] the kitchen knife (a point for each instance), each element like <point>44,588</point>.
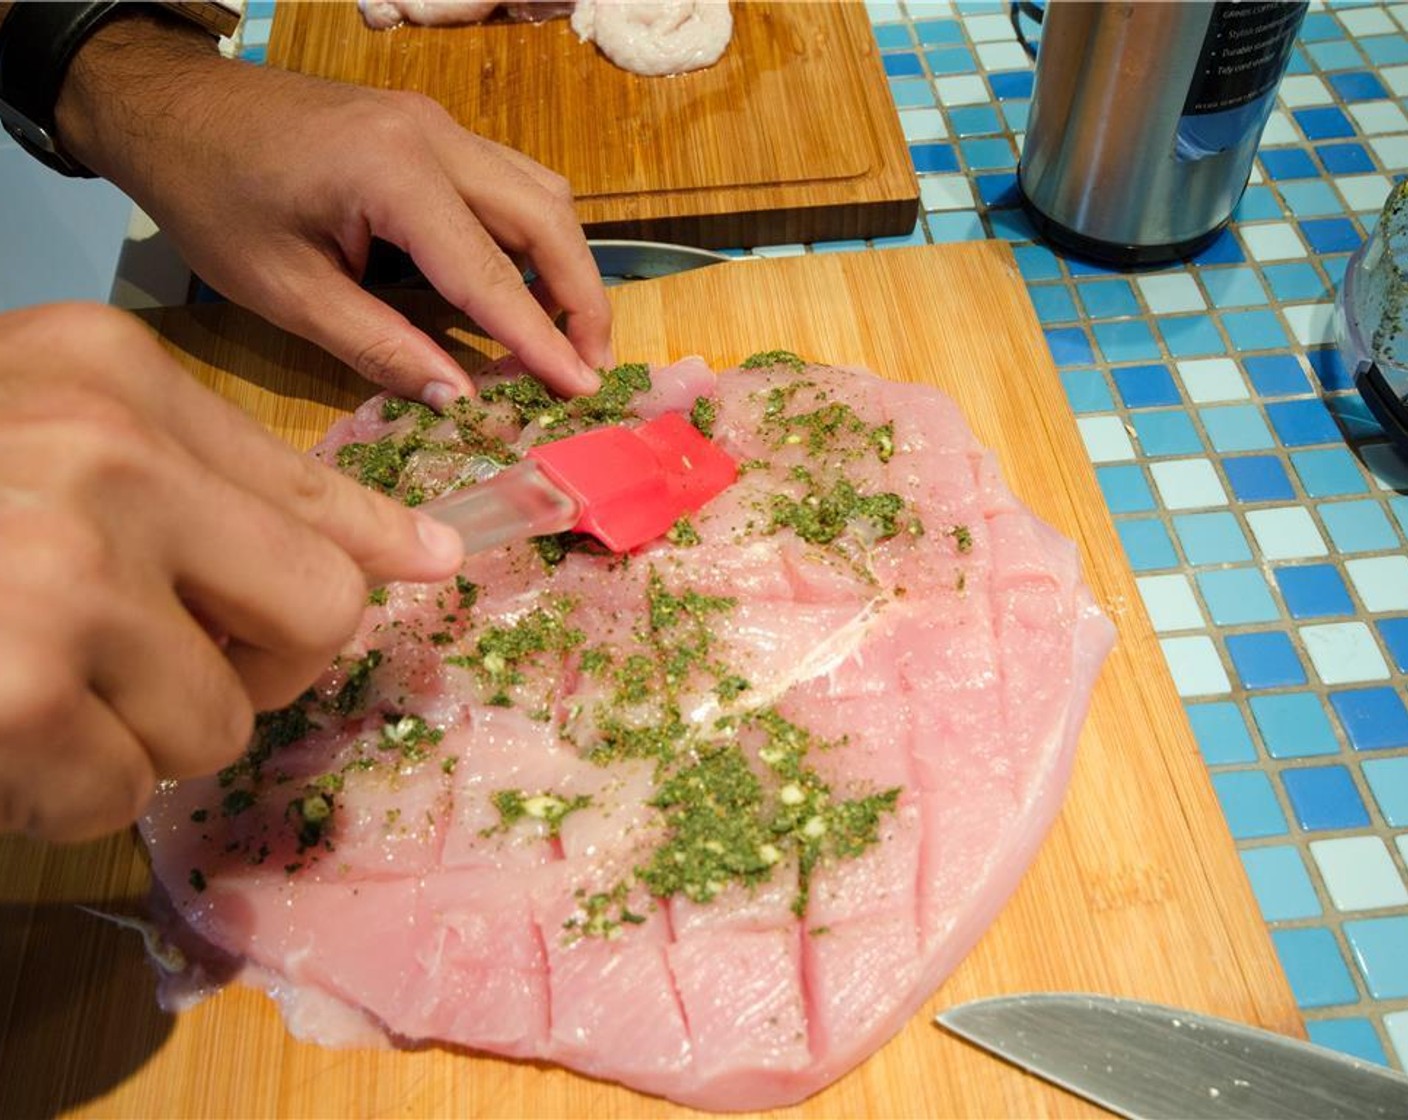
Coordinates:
<point>1149,1062</point>
<point>624,486</point>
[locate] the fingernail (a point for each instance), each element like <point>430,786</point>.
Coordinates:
<point>439,540</point>
<point>439,396</point>
<point>588,378</point>
<point>608,357</point>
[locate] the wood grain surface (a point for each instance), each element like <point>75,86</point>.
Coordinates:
<point>792,136</point>
<point>1137,890</point>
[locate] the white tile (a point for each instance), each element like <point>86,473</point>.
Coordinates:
<point>1196,668</point>
<point>986,29</point>
<point>780,251</point>
<point>1366,21</point>
<point>1255,175</point>
<point>1280,129</point>
<point>1359,873</point>
<point>1375,117</point>
<point>1400,13</point>
<point>1002,56</point>
<point>1208,380</point>
<point>883,11</point>
<point>1396,78</point>
<point>1170,602</point>
<point>923,124</point>
<point>1273,241</point>
<point>967,89</point>
<point>928,9</point>
<point>1382,582</point>
<point>946,192</point>
<point>1396,1027</point>
<point>1286,533</point>
<point>1344,652</point>
<point>1392,151</point>
<point>1313,324</point>
<point>1106,439</point>
<point>1171,292</point>
<point>1363,192</point>
<point>1300,90</point>
<point>1188,483</point>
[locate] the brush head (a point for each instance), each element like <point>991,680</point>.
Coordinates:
<point>633,484</point>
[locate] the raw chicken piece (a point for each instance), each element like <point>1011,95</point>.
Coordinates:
<point>431,13</point>
<point>655,37</point>
<point>713,820</point>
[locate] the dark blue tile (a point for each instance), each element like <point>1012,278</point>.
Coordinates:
<point>1302,422</point>
<point>1288,163</point>
<point>1276,375</point>
<point>1394,632</point>
<point>1345,159</point>
<point>998,190</point>
<point>933,157</point>
<point>1258,478</point>
<point>1324,123</point>
<point>1069,346</point>
<point>1330,235</point>
<point>1265,660</point>
<point>1324,797</point>
<point>902,65</point>
<point>1358,85</point>
<point>1014,84</point>
<point>1313,591</point>
<point>1222,250</point>
<point>1145,386</point>
<point>1374,718</point>
<point>1329,368</point>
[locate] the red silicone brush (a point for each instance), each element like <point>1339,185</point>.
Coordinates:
<point>624,486</point>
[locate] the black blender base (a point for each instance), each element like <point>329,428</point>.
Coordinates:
<point>1388,403</point>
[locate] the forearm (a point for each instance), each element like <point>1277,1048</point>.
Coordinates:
<point>124,86</point>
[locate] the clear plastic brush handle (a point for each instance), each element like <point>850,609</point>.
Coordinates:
<point>513,504</point>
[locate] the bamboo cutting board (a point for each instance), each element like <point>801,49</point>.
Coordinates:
<point>791,137</point>
<point>1137,890</point>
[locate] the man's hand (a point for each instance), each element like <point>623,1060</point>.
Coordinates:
<point>273,184</point>
<point>167,568</point>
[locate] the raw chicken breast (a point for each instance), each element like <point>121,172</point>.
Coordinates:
<point>655,37</point>
<point>712,820</point>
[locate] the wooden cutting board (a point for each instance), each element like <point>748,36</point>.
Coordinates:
<point>792,136</point>
<point>1136,892</point>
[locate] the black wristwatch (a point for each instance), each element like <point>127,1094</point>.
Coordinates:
<point>38,40</point>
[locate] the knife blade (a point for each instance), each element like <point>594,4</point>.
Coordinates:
<point>1149,1062</point>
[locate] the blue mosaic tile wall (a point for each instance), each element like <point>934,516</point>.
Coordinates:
<point>1260,507</point>
<point>1259,504</point>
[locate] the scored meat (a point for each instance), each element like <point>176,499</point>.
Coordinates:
<point>713,819</point>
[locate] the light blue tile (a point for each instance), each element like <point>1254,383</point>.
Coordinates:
<point>1297,280</point>
<point>1128,341</point>
<point>1125,488</point>
<point>1233,287</point>
<point>1146,543</point>
<point>1329,472</point>
<point>1086,390</point>
<point>955,225</point>
<point>1294,725</point>
<point>1254,330</point>
<point>1249,804</point>
<point>1237,596</point>
<point>1358,526</point>
<point>1189,336</point>
<point>1359,874</point>
<point>1237,427</point>
<point>1166,431</point>
<point>912,93</point>
<point>1314,966</point>
<point>1037,262</point>
<point>1378,948</point>
<point>1196,666</point>
<point>1353,1036</point>
<point>1311,198</point>
<point>1107,299</point>
<point>1281,883</point>
<point>1053,303</point>
<point>1211,538</point>
<point>1388,781</point>
<point>1221,733</point>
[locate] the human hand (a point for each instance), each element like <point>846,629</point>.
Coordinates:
<point>167,568</point>
<point>273,184</point>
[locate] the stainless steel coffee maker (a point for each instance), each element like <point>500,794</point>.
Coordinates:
<point>1145,119</point>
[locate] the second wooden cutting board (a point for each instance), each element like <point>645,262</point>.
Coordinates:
<point>792,136</point>
<point>1137,890</point>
